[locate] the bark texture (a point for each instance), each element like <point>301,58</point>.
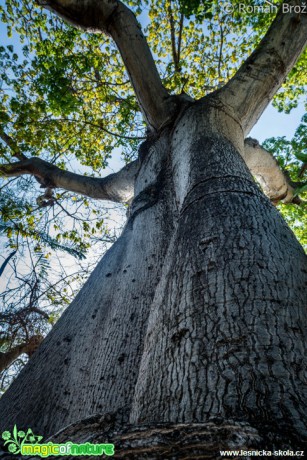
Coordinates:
<point>196,315</point>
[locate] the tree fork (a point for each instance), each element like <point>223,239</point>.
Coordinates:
<point>114,18</point>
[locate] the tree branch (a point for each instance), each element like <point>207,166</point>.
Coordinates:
<point>7,358</point>
<point>173,37</point>
<point>118,187</point>
<point>263,166</point>
<point>220,52</point>
<point>23,312</point>
<point>4,264</point>
<point>12,144</point>
<point>254,85</point>
<point>114,18</point>
<point>180,36</point>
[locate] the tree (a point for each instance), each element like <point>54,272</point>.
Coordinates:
<point>191,330</point>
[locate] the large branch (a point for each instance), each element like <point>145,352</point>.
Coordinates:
<point>263,166</point>
<point>118,187</point>
<point>114,18</point>
<point>254,85</point>
<point>7,358</point>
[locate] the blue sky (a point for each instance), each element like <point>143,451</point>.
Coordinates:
<point>273,124</point>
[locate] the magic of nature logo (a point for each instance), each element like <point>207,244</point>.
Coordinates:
<point>27,443</point>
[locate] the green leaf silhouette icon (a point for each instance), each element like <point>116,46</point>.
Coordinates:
<point>30,437</point>
<point>12,448</point>
<point>15,433</point>
<point>6,435</point>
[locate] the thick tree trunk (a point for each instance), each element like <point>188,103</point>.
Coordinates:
<point>195,316</point>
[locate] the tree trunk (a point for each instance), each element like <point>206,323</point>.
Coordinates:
<point>195,317</point>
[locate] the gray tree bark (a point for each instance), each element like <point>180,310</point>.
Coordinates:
<point>191,332</point>
<point>195,319</point>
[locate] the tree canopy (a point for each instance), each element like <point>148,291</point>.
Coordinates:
<point>66,98</point>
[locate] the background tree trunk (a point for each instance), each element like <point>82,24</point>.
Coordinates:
<point>196,313</point>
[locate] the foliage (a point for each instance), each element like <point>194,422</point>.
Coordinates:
<point>48,265</point>
<point>65,96</point>
<point>292,158</point>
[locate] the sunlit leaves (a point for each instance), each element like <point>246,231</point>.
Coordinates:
<point>296,217</point>
<point>73,95</point>
<point>292,157</point>
<point>211,45</point>
<point>294,87</point>
<point>291,154</point>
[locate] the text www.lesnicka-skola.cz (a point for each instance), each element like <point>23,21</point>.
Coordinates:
<point>261,453</point>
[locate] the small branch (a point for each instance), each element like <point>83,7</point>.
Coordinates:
<point>29,347</point>
<point>302,170</point>
<point>2,268</point>
<point>12,144</point>
<point>7,358</point>
<point>180,36</point>
<point>173,37</point>
<point>252,88</point>
<point>28,310</point>
<point>118,187</point>
<point>120,136</point>
<point>221,51</point>
<point>263,166</point>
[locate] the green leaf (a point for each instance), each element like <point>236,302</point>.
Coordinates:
<point>301,156</point>
<point>15,433</point>
<point>300,190</point>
